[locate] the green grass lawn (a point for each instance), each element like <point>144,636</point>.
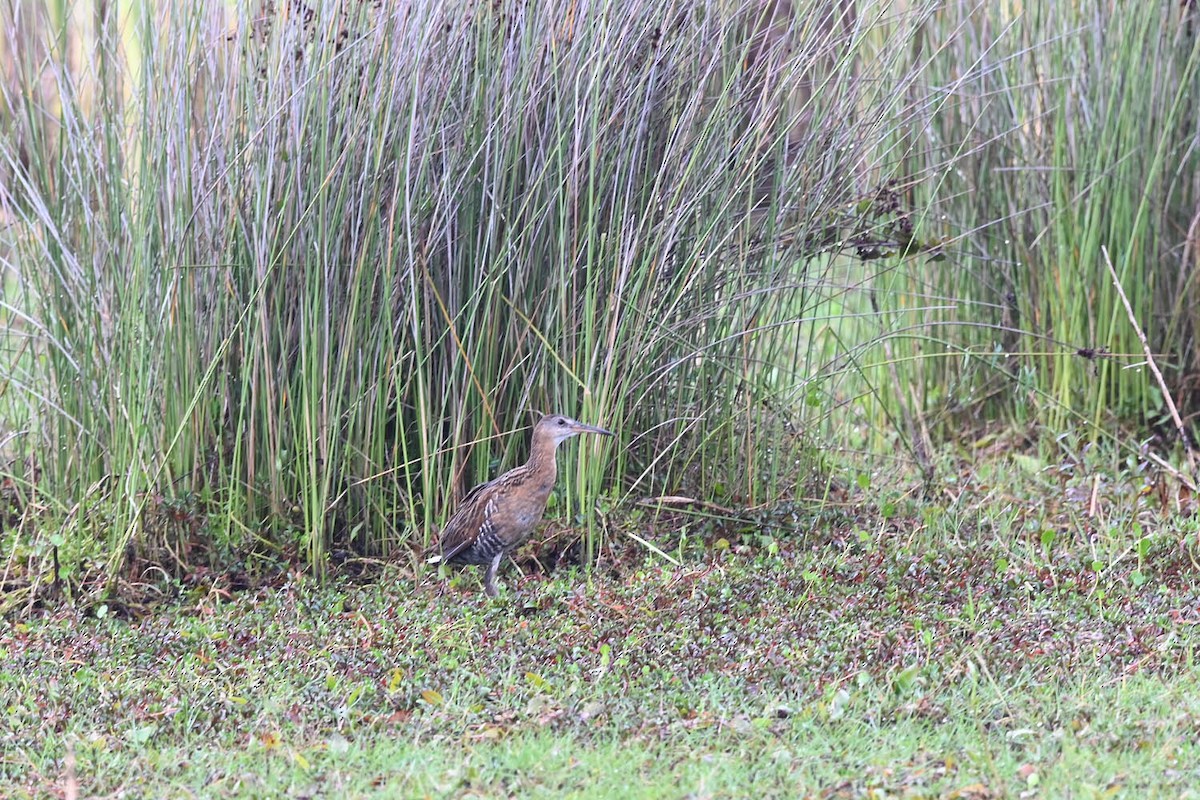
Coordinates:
<point>885,658</point>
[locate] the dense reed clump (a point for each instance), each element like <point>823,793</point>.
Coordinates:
<point>1065,132</point>
<point>278,278</point>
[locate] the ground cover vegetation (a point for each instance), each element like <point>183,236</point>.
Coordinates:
<point>892,306</point>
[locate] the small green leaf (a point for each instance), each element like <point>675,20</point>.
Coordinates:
<point>537,681</point>
<point>141,734</point>
<point>837,706</point>
<point>1028,464</point>
<point>1048,537</point>
<point>1143,547</point>
<point>1137,578</point>
<point>906,677</point>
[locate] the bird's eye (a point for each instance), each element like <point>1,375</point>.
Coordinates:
<point>561,422</point>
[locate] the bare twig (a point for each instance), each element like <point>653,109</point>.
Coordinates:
<point>677,500</point>
<point>1162,384</point>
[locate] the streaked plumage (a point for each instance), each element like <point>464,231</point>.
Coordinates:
<point>495,518</point>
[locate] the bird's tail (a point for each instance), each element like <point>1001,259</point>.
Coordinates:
<point>434,554</point>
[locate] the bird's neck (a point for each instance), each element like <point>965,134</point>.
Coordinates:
<point>541,466</point>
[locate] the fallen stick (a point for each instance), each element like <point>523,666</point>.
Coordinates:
<point>1162,384</point>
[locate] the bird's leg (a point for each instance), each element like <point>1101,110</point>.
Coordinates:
<point>489,579</point>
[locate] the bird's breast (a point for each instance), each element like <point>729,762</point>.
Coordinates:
<point>528,518</point>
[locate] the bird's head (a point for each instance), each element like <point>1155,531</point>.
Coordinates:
<point>559,427</point>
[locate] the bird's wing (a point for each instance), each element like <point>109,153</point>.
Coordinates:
<point>472,519</point>
<point>477,490</point>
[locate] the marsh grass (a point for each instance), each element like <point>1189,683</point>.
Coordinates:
<point>287,282</point>
<point>1065,131</point>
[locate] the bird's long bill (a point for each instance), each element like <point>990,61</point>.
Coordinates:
<point>579,427</point>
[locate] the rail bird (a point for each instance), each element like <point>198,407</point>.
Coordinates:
<point>497,517</point>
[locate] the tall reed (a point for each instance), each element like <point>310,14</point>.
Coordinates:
<point>318,298</point>
<point>1063,129</point>
<point>288,279</point>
